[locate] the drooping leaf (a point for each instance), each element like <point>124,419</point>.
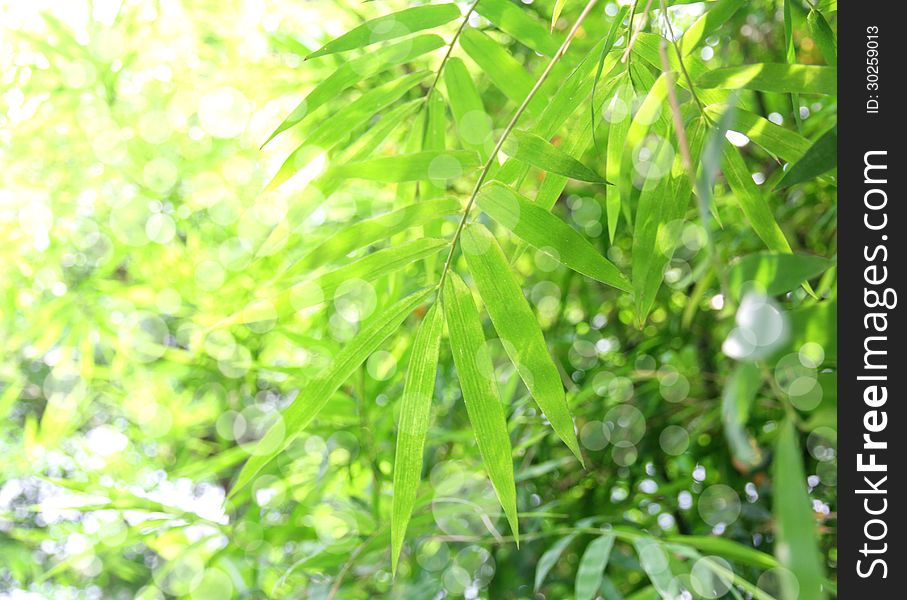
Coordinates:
<point>796,543</point>
<point>591,569</point>
<point>440,165</point>
<point>318,392</point>
<point>772,273</point>
<point>366,232</point>
<point>821,157</point>
<point>415,406</point>
<point>515,322</point>
<point>773,77</point>
<point>483,404</point>
<point>549,558</point>
<point>752,201</point>
<point>541,153</point>
<point>824,36</point>
<point>473,124</point>
<point>654,561</point>
<point>737,399</point>
<point>544,231</point>
<point>357,70</point>
<point>620,108</point>
<point>337,127</point>
<point>774,139</point>
<point>511,18</point>
<point>504,71</point>
<point>388,27</point>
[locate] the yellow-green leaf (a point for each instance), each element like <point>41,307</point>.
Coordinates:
<point>541,153</point>
<point>773,77</point>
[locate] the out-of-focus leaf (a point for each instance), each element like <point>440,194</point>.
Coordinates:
<point>388,27</point>
<point>619,104</point>
<point>483,404</point>
<point>773,77</point>
<point>504,71</point>
<point>821,157</point>
<point>440,165</point>
<point>543,230</point>
<point>366,232</point>
<point>774,274</point>
<point>796,544</point>
<point>728,549</point>
<point>752,201</point>
<point>591,569</point>
<point>549,558</point>
<point>541,153</point>
<point>556,12</point>
<point>516,324</point>
<point>418,390</point>
<point>824,36</point>
<point>318,392</point>
<point>356,70</point>
<point>736,400</point>
<point>654,561</point>
<point>511,18</point>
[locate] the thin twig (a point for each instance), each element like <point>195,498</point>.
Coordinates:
<point>510,126</point>
<point>450,48</point>
<point>632,40</point>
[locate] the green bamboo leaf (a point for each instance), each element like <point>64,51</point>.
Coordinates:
<point>820,158</point>
<point>773,77</point>
<point>354,71</point>
<point>726,548</point>
<point>318,392</point>
<point>774,274</point>
<point>364,233</point>
<point>515,322</point>
<point>796,542</point>
<point>713,18</point>
<point>543,230</point>
<point>824,36</point>
<point>752,201</point>
<point>483,404</point>
<point>439,165</point>
<point>336,128</point>
<point>591,570</point>
<point>518,22</point>
<point>737,398</point>
<point>504,71</point>
<point>418,390</point>
<point>473,123</point>
<point>558,8</point>
<point>541,153</point>
<point>549,558</point>
<point>619,104</point>
<point>774,139</point>
<point>388,27</point>
<point>654,561</point>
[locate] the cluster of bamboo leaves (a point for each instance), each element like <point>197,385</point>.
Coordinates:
<point>477,185</point>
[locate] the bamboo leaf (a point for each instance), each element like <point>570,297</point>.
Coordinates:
<point>541,153</point>
<point>550,558</point>
<point>796,544</point>
<point>591,570</point>
<point>504,71</point>
<point>774,139</point>
<point>473,124</point>
<point>617,135</point>
<point>654,561</point>
<point>773,77</point>
<point>439,165</point>
<point>752,202</point>
<point>518,22</point>
<point>774,274</point>
<point>543,230</point>
<point>556,12</point>
<point>338,126</point>
<point>737,398</point>
<point>820,158</point>
<point>483,405</point>
<point>824,36</point>
<point>369,231</point>
<point>515,322</point>
<point>713,18</point>
<point>351,72</point>
<point>388,27</point>
<point>418,390</point>
<point>318,392</point>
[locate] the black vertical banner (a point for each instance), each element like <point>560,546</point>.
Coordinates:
<point>871,420</point>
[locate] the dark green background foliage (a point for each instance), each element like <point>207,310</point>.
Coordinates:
<point>506,306</point>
